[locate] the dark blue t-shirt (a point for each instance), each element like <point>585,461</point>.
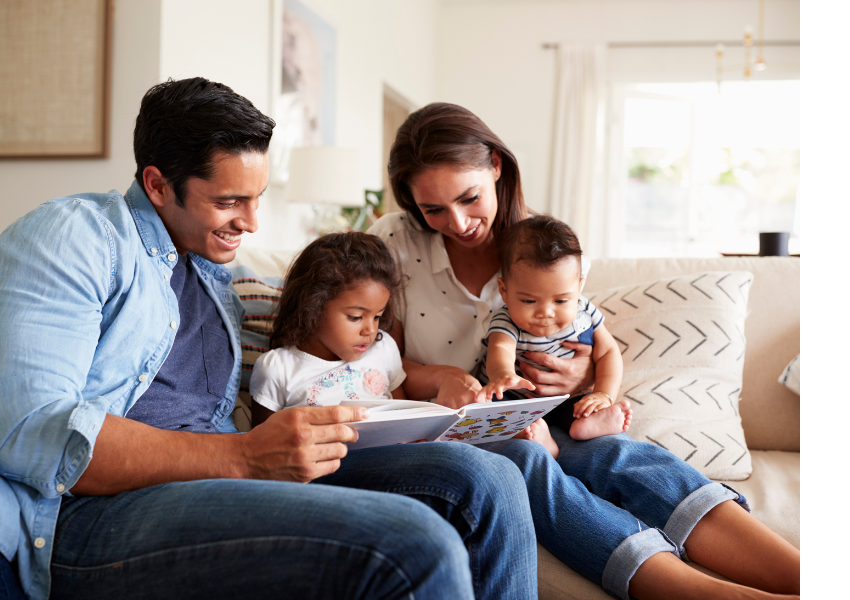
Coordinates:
<point>193,379</point>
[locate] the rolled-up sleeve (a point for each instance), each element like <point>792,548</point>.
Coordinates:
<point>57,268</point>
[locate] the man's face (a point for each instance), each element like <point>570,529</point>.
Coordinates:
<point>216,212</point>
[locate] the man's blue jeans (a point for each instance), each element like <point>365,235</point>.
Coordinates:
<point>263,539</point>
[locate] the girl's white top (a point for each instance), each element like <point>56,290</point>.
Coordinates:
<point>287,377</point>
<point>443,323</point>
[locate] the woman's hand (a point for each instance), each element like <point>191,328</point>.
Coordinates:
<point>459,388</point>
<point>568,376</point>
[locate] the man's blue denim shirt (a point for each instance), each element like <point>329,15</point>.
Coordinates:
<point>87,317</point>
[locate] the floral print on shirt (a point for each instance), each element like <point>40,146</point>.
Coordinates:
<point>374,382</point>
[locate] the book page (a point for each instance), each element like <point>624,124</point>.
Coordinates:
<point>380,432</point>
<point>393,410</point>
<point>493,421</point>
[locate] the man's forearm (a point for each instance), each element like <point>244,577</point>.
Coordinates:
<point>129,455</point>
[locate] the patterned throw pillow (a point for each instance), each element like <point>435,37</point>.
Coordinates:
<point>790,377</point>
<point>259,296</point>
<point>682,341</point>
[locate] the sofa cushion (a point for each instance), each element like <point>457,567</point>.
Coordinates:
<point>790,376</point>
<point>683,346</point>
<point>259,296</point>
<point>770,412</point>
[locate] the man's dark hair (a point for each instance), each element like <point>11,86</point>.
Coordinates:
<point>326,268</point>
<point>183,124</point>
<point>540,240</point>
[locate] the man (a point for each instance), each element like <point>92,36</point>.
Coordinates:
<point>122,473</point>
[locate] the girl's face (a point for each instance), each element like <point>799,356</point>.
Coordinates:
<point>459,203</point>
<point>349,323</point>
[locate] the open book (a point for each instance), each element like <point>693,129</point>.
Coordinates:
<point>400,421</point>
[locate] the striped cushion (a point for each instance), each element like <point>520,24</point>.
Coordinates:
<point>259,296</point>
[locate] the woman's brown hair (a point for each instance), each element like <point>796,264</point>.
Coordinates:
<point>324,269</point>
<point>448,134</point>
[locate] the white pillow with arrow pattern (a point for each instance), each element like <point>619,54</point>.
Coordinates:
<point>682,341</point>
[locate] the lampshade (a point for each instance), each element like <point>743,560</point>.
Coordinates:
<point>325,175</point>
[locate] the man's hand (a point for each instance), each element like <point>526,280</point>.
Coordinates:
<point>301,444</point>
<point>506,381</point>
<point>568,376</point>
<point>459,388</point>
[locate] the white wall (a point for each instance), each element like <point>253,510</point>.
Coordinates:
<point>490,60</point>
<point>483,54</point>
<point>221,40</point>
<point>379,41</point>
<point>24,184</point>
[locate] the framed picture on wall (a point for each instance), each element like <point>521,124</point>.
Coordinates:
<point>54,78</point>
<point>304,65</point>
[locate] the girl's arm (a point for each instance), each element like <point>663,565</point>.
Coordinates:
<point>609,374</point>
<point>399,393</point>
<point>259,413</point>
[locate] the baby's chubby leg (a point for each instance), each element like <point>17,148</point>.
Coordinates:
<point>608,421</point>
<point>539,432</point>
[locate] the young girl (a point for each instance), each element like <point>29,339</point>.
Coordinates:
<point>329,340</point>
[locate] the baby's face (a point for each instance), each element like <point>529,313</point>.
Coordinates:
<point>542,301</point>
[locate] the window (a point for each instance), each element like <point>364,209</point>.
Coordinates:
<point>696,172</point>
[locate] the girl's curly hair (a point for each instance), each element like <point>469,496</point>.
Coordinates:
<point>325,268</point>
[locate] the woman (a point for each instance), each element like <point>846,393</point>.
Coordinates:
<point>620,512</point>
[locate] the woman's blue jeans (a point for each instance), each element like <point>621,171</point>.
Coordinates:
<point>456,523</point>
<point>608,504</point>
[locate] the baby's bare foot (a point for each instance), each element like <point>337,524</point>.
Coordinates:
<point>539,432</point>
<point>608,421</point>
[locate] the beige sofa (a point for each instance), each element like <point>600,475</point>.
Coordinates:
<point>770,413</point>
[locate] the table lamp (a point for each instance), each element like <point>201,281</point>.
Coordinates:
<point>328,178</point>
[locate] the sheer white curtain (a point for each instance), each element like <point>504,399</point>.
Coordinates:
<point>579,91</point>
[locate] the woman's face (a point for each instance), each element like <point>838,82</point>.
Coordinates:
<point>459,203</point>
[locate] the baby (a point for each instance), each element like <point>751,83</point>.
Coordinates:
<point>541,286</point>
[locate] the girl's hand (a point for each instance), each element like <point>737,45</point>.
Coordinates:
<point>459,388</point>
<point>568,376</point>
<point>590,404</point>
<point>509,381</point>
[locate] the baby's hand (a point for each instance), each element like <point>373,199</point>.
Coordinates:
<point>509,381</point>
<point>590,404</point>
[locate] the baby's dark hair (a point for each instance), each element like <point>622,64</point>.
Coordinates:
<point>324,269</point>
<point>540,240</point>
